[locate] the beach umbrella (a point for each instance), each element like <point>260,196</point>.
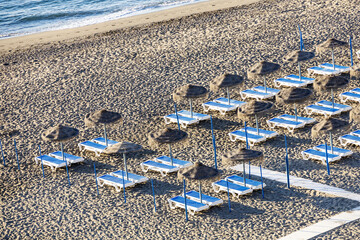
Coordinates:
<point>199,172</point>
<point>261,69</point>
<point>167,136</point>
<point>60,134</point>
<point>329,126</point>
<point>323,83</point>
<point>299,56</point>
<point>123,148</point>
<point>293,95</point>
<point>226,81</point>
<point>102,117</point>
<point>254,108</point>
<point>331,43</point>
<point>190,92</point>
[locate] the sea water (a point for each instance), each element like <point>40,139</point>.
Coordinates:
<point>22,17</point>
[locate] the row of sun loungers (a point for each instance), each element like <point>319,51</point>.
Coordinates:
<point>223,105</point>
<point>328,69</point>
<point>97,145</point>
<point>293,81</point>
<point>352,138</point>
<point>259,93</point>
<point>352,95</point>
<point>163,165</point>
<point>319,153</point>
<point>252,135</point>
<point>55,160</point>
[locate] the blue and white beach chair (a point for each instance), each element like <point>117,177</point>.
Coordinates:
<point>68,157</point>
<point>252,138</point>
<point>164,169</point>
<point>262,132</point>
<point>53,163</point>
<point>284,123</point>
<point>101,140</point>
<point>337,151</point>
<point>303,79</point>
<point>342,69</point>
<point>349,139</point>
<point>92,147</point>
<point>319,155</point>
<point>280,82</point>
<point>356,133</point>
<point>254,185</point>
<point>116,182</point>
<point>232,101</point>
<point>197,116</point>
<point>323,71</point>
<point>235,189</point>
<point>183,121</point>
<point>266,90</point>
<point>342,107</point>
<point>259,93</point>
<point>305,120</point>
<point>208,200</point>
<point>222,108</point>
<point>349,96</point>
<point>326,111</point>
<point>131,176</point>
<point>192,206</point>
<point>176,162</point>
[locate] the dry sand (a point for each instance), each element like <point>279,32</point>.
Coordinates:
<point>134,71</point>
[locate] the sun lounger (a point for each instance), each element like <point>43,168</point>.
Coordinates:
<point>326,111</point>
<point>349,139</point>
<point>262,132</point>
<point>208,200</point>
<point>92,147</point>
<point>197,116</point>
<point>254,185</point>
<point>116,182</point>
<point>255,94</point>
<point>337,151</point>
<point>323,71</point>
<point>158,167</point>
<point>235,189</point>
<point>303,79</point>
<point>176,162</point>
<point>192,206</point>
<point>319,155</point>
<point>305,120</point>
<point>183,121</point>
<point>288,124</point>
<point>349,96</point>
<point>355,90</point>
<point>53,163</point>
<point>252,138</point>
<point>68,157</point>
<point>131,176</point>
<point>337,67</point>
<point>101,140</point>
<point>232,101</point>
<point>267,90</point>
<point>356,133</point>
<point>222,108</point>
<point>342,107</point>
<point>289,83</point>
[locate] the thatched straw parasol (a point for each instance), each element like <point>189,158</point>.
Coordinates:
<point>226,81</point>
<point>355,114</point>
<point>190,92</point>
<point>167,136</point>
<point>254,108</point>
<point>102,117</point>
<point>262,68</point>
<point>299,56</point>
<point>329,125</point>
<point>331,43</point>
<point>59,133</point>
<point>330,83</point>
<point>199,172</point>
<point>293,95</point>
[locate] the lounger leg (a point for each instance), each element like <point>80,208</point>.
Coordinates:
<point>216,189</point>
<point>118,189</point>
<point>163,173</point>
<point>222,112</point>
<point>144,169</point>
<point>192,212</point>
<point>172,206</point>
<point>232,138</point>
<point>53,169</point>
<point>183,125</point>
<point>101,183</point>
<point>206,109</point>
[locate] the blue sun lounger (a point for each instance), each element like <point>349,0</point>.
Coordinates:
<point>303,79</point>
<point>192,206</point>
<point>355,90</point>
<point>323,71</point>
<point>349,96</point>
<point>53,163</point>
<point>68,157</point>
<point>252,138</point>
<point>164,169</point>
<point>183,121</point>
<point>255,94</point>
<point>222,108</point>
<point>92,147</point>
<point>254,185</point>
<point>131,176</point>
<point>356,133</point>
<point>337,67</point>
<point>232,101</point>
<point>176,162</point>
<point>262,132</point>
<point>283,123</point>
<point>319,155</point>
<point>337,151</point>
<point>101,140</point>
<point>197,116</point>
<point>116,182</point>
<point>208,200</point>
<point>349,139</point>
<point>326,111</point>
<point>267,90</point>
<point>235,189</point>
<point>289,83</point>
<point>342,107</point>
<point>305,120</point>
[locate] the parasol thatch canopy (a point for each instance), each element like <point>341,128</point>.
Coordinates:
<point>189,91</point>
<point>59,133</point>
<point>101,116</point>
<point>333,43</point>
<point>197,171</point>
<point>298,56</point>
<point>262,68</point>
<point>241,155</point>
<point>293,95</point>
<point>226,81</point>
<point>166,135</point>
<point>253,107</point>
<point>329,82</point>
<point>123,147</point>
<point>355,114</point>
<point>328,125</point>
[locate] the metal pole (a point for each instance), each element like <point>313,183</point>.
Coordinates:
<point>262,183</point>
<point>333,59</point>
<point>16,153</point>
<point>244,174</point>
<point>106,141</point>
<point>228,95</point>
<point>332,98</point>
<point>327,159</point>
<point>2,154</point>
<point>171,157</point>
<point>177,116</point>
<point>123,180</point>
<point>213,139</point>
<point>246,137</point>
<point>63,158</point>
<point>351,52</point>
<point>296,117</point>
<point>299,71</point>
<point>97,186</point>
<point>265,84</point>
<point>153,192</point>
<point>186,213</point>
<point>331,143</point>
<point>42,165</point>
<point>125,165</point>
<point>191,111</point>
<point>228,193</point>
<point>287,165</point>
<point>257,124</point>
<point>249,170</point>
<point>200,191</point>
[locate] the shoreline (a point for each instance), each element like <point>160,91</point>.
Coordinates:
<point>23,42</point>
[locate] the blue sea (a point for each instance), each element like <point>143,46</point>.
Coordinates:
<point>22,17</point>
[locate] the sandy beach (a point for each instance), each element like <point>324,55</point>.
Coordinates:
<point>132,66</point>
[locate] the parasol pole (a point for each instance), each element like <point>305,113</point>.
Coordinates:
<point>153,192</point>
<point>126,171</point>
<point>123,181</point>
<point>97,186</point>
<point>186,213</point>
<point>177,117</point>
<point>63,158</point>
<point>265,84</point>
<point>332,97</point>
<point>262,183</point>
<point>2,153</point>
<point>333,59</point>
<point>287,164</point>
<point>228,94</point>
<point>213,140</point>
<point>42,165</point>
<point>246,137</point>
<point>296,117</point>
<point>228,193</point>
<point>171,157</point>
<point>17,156</point>
<point>299,71</point>
<point>244,174</point>
<point>200,191</point>
<point>191,111</point>
<point>106,140</point>
<point>257,124</point>
<point>351,52</point>
<point>331,143</point>
<point>327,159</point>
<point>302,47</point>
